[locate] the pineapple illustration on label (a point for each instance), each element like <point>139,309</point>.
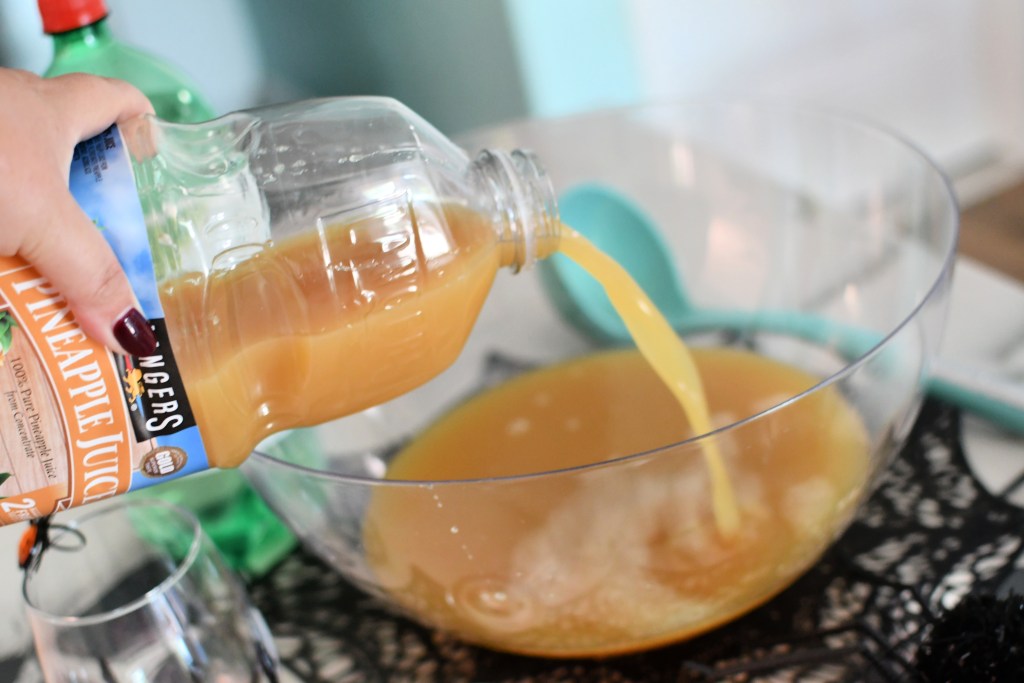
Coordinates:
<point>133,386</point>
<point>7,325</point>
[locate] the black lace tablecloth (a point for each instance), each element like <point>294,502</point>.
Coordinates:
<point>870,610</point>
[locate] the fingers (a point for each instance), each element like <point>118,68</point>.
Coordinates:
<point>40,123</point>
<point>77,260</point>
<point>86,105</point>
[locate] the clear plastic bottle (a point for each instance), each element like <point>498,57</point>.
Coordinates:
<point>82,42</point>
<point>308,261</point>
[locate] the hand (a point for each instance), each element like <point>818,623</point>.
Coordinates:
<point>41,121</point>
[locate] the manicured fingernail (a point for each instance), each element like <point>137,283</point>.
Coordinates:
<point>134,334</point>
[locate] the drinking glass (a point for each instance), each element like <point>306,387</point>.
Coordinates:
<point>135,591</point>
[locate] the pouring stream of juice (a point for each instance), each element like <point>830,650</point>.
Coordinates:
<point>667,355</point>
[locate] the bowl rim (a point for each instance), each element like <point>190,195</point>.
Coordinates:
<point>852,121</point>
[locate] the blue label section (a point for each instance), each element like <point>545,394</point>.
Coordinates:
<point>103,184</point>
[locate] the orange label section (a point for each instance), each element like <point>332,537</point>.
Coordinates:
<point>64,428</point>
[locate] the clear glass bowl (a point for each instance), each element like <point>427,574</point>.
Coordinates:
<point>764,209</point>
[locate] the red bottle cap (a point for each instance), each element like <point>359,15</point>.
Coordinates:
<point>67,15</point>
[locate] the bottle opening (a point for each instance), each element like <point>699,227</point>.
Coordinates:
<point>526,212</point>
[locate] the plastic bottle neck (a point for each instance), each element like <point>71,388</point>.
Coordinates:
<point>92,35</point>
<point>525,212</point>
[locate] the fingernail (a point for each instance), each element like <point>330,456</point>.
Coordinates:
<point>134,334</point>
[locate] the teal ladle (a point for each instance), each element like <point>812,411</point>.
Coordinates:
<point>618,227</point>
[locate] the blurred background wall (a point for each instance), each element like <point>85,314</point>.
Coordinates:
<point>948,74</point>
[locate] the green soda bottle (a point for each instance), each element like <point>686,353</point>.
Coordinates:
<point>82,42</point>
<point>250,537</point>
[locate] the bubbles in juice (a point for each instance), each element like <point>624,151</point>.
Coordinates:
<point>625,556</point>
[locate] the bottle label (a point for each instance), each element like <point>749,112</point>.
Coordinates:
<point>79,423</point>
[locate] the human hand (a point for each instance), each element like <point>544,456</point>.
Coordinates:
<point>41,121</point>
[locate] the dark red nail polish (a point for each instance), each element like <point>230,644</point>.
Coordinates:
<point>134,334</point>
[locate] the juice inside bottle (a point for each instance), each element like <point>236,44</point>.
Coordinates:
<point>329,322</point>
<point>314,261</point>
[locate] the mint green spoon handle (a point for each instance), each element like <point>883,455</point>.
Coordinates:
<point>851,342</point>
<point>993,397</point>
<point>1000,401</point>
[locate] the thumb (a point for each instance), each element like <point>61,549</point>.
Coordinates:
<point>73,255</point>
